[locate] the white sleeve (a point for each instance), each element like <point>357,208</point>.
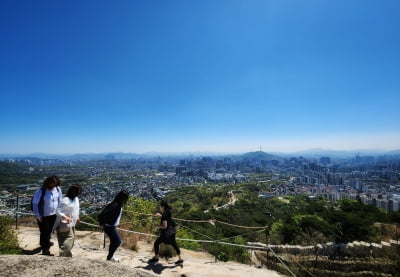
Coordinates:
<point>60,195</point>
<point>61,205</point>
<point>78,206</point>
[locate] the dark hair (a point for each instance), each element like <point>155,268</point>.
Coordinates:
<point>164,204</point>
<point>51,180</point>
<point>73,191</point>
<point>121,197</point>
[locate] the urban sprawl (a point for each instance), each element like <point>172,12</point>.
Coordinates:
<point>373,180</point>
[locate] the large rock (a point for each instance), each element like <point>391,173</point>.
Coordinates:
<point>43,266</point>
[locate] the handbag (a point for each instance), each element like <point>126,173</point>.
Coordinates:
<point>64,226</point>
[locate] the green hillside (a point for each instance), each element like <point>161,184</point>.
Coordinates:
<point>16,174</point>
<point>260,155</point>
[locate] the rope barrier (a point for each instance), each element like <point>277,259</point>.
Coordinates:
<point>242,235</point>
<point>151,235</point>
<point>25,213</point>
<point>234,225</point>
<point>240,245</point>
<point>177,219</point>
<point>90,224</point>
<point>90,204</point>
<point>183,239</point>
<point>203,221</point>
<point>191,220</point>
<point>194,231</point>
<point>280,260</point>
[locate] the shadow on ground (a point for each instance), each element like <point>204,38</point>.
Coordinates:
<point>156,267</point>
<point>31,252</point>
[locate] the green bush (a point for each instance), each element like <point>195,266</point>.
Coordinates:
<point>183,233</point>
<point>8,237</point>
<point>167,251</point>
<point>222,256</point>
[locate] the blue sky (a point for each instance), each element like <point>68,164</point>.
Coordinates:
<point>189,76</point>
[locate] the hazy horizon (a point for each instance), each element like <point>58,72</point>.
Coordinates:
<point>207,76</point>
<point>310,151</point>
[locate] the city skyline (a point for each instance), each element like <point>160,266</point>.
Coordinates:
<point>214,76</point>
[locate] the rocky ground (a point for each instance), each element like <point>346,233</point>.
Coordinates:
<point>89,260</point>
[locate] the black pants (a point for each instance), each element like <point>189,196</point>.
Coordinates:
<point>115,240</point>
<point>45,228</point>
<point>167,240</point>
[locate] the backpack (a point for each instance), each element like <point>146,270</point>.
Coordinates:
<point>41,200</point>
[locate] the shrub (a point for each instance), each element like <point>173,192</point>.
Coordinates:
<point>8,237</point>
<point>167,251</point>
<point>192,245</point>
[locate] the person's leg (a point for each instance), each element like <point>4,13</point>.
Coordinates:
<point>157,243</point>
<point>66,242</point>
<point>115,240</point>
<point>176,247</point>
<point>157,246</point>
<point>42,233</point>
<point>46,227</point>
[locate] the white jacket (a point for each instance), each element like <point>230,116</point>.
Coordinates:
<point>68,207</point>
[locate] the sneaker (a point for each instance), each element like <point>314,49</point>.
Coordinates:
<point>115,260</point>
<point>179,262</point>
<point>47,253</point>
<point>153,260</point>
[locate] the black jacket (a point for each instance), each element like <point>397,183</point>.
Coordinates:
<point>110,214</point>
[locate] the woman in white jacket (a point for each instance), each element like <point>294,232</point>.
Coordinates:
<point>67,217</point>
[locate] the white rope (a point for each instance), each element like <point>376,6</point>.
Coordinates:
<point>151,235</point>
<point>25,213</point>
<point>194,231</point>
<point>280,260</point>
<point>241,235</point>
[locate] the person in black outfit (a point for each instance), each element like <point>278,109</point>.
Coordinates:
<point>167,233</point>
<point>109,219</point>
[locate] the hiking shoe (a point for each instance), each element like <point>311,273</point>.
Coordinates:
<point>114,259</point>
<point>152,260</point>
<point>178,262</point>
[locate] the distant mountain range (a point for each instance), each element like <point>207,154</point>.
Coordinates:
<point>258,155</point>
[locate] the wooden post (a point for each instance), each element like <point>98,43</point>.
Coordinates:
<point>267,240</point>
<point>104,242</point>
<point>16,211</point>
<point>216,237</point>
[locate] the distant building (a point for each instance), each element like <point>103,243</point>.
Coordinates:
<point>325,160</point>
<point>180,170</point>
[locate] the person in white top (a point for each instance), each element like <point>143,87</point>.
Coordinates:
<point>67,218</point>
<point>45,203</point>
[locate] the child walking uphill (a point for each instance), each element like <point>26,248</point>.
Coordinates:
<point>167,233</point>
<point>109,220</point>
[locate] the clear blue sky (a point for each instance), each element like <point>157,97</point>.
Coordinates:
<point>210,75</point>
